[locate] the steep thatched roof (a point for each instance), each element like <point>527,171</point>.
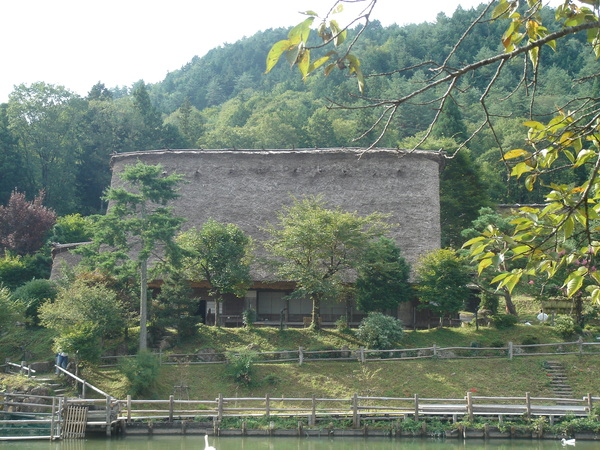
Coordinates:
<point>249,187</point>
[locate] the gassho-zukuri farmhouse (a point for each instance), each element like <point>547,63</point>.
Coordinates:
<point>249,187</point>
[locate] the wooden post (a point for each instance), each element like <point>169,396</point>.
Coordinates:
<point>589,403</point>
<point>220,407</point>
<point>362,355</point>
<point>128,408</point>
<point>313,414</point>
<point>108,417</point>
<point>580,344</point>
<point>510,350</point>
<point>83,389</point>
<point>470,405</point>
<point>23,367</point>
<point>416,406</point>
<point>267,405</point>
<point>300,356</point>
<point>171,401</point>
<point>528,404</point>
<point>434,350</point>
<point>52,418</point>
<point>355,416</point>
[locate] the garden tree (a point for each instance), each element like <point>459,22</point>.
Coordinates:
<point>24,224</point>
<point>33,294</point>
<point>138,225</point>
<point>219,254</point>
<point>71,229</point>
<point>383,278</point>
<point>442,279</point>
<point>175,306</point>
<point>565,141</point>
<point>85,316</point>
<point>319,247</point>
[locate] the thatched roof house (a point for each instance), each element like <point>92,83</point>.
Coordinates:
<point>249,187</point>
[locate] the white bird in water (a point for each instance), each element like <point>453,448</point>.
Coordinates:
<point>210,447</point>
<point>566,442</point>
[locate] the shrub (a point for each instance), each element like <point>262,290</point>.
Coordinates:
<point>341,325</point>
<point>249,317</point>
<point>12,311</point>
<point>33,294</point>
<point>380,331</point>
<point>240,366</point>
<point>504,321</point>
<point>141,371</point>
<point>566,327</point>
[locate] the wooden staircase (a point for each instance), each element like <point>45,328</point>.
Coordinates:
<point>558,382</point>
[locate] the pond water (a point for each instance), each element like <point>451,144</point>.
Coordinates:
<point>280,443</point>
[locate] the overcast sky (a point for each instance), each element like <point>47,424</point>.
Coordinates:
<point>76,43</point>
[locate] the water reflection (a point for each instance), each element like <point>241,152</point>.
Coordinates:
<point>258,443</point>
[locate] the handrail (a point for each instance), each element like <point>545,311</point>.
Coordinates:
<point>84,383</point>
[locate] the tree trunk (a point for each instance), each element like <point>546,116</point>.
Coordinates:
<point>316,313</point>
<point>143,305</point>
<point>510,306</point>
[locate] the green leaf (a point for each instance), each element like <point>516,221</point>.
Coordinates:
<point>516,153</point>
<point>520,169</point>
<point>473,241</point>
<point>536,125</point>
<point>568,227</point>
<point>276,52</point>
<point>583,156</point>
<point>304,63</point>
<point>573,284</point>
<point>301,31</point>
<point>318,63</point>
<point>500,277</point>
<point>483,264</point>
<point>501,10</point>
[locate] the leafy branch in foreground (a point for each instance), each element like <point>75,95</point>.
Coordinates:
<point>564,232</point>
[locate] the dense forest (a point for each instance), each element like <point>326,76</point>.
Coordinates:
<point>55,141</point>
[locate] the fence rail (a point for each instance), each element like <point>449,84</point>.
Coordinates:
<point>365,355</point>
<point>355,408</point>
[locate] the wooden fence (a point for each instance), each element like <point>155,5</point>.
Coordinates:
<point>26,416</point>
<point>356,408</point>
<point>365,355</point>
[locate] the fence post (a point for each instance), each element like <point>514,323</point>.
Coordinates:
<point>510,350</point>
<point>52,418</point>
<point>82,389</point>
<point>362,355</point>
<point>589,403</point>
<point>355,417</point>
<point>300,356</point>
<point>434,350</point>
<point>580,344</point>
<point>128,408</point>
<point>267,405</point>
<point>528,404</point>
<point>220,407</point>
<point>313,414</point>
<point>416,406</point>
<point>22,367</point>
<point>470,405</point>
<point>171,401</point>
<point>108,417</point>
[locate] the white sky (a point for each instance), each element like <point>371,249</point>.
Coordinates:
<point>76,43</point>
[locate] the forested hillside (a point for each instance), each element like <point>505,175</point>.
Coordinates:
<point>59,142</point>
